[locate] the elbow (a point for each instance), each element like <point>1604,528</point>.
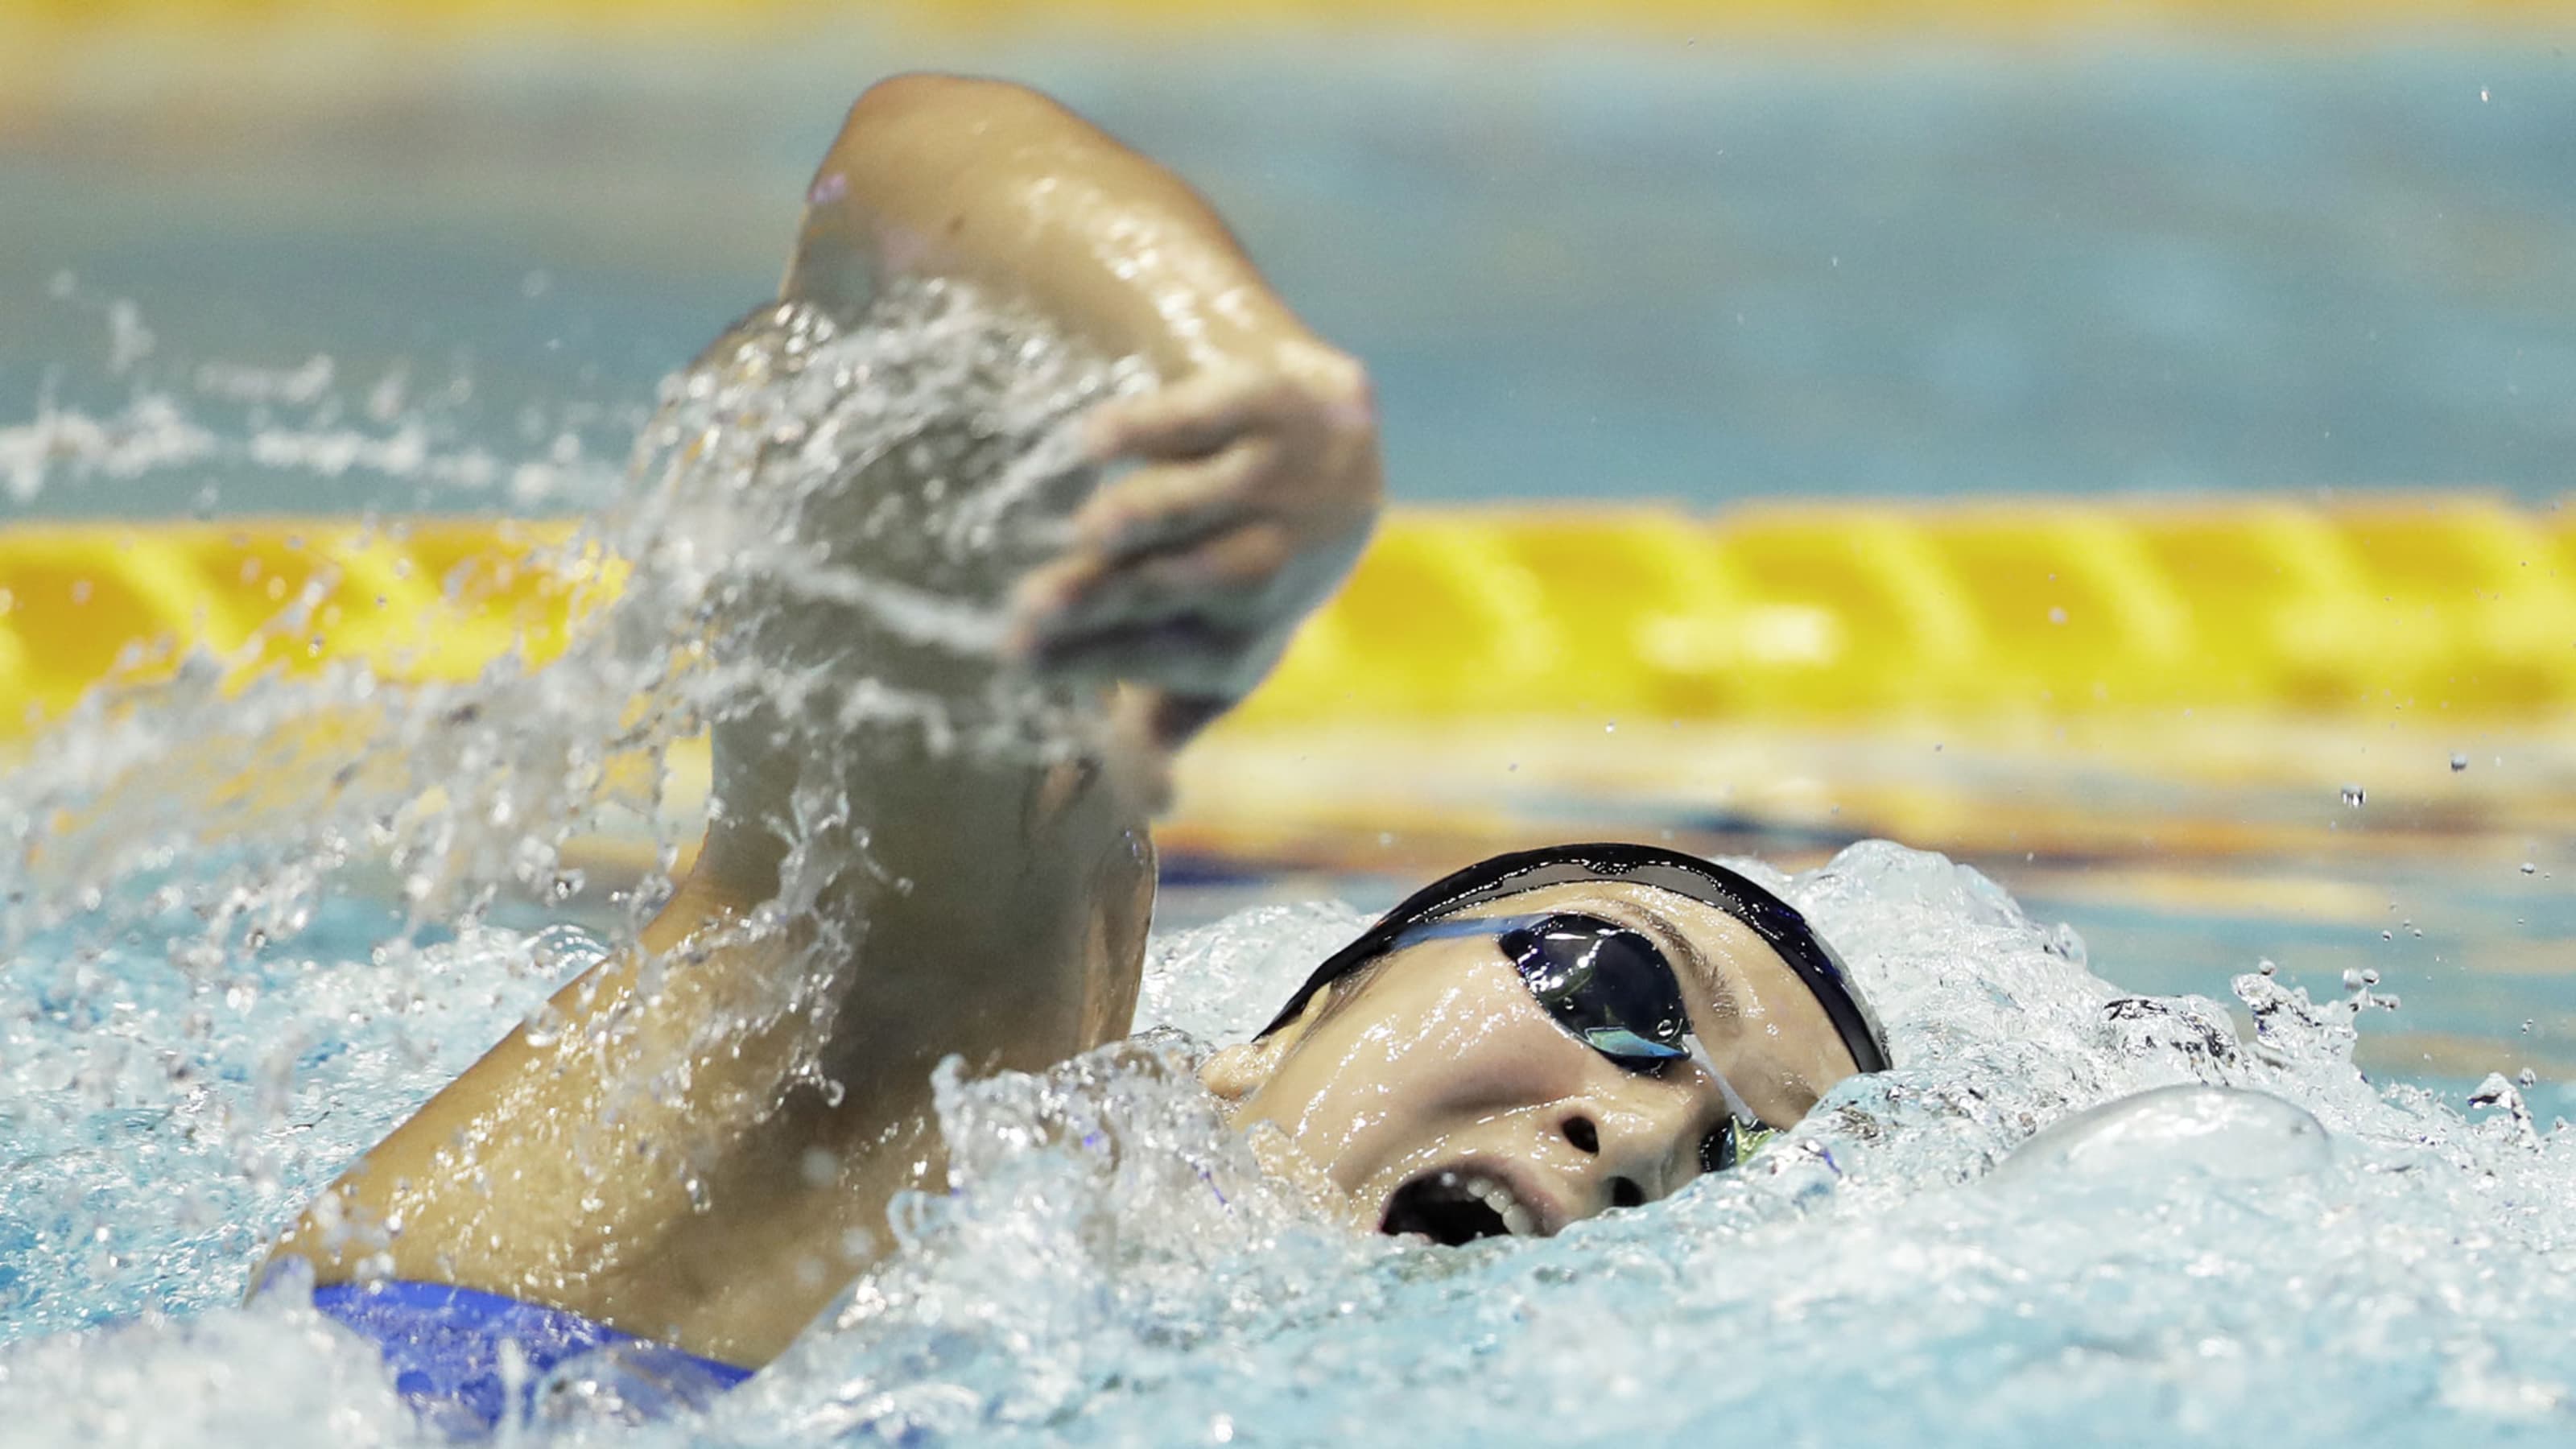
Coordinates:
<point>901,101</point>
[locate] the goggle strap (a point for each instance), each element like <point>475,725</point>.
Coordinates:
<point>1734,1101</point>
<point>1450,927</point>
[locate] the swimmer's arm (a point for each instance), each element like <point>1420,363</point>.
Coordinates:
<point>638,1161</point>
<point>647,1159</point>
<point>936,175</point>
<point>1256,472</point>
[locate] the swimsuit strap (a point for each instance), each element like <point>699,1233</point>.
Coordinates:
<point>450,1351</point>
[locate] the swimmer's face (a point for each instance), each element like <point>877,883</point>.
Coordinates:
<point>1435,1082</point>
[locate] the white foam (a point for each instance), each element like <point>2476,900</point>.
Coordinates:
<point>206,1009</point>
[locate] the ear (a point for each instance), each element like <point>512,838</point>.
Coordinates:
<point>1244,1068</point>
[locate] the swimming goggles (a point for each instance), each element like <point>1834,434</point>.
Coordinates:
<point>1772,920</point>
<point>1612,988</point>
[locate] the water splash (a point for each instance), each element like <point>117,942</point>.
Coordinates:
<point>155,414</point>
<point>222,983</point>
<point>2275,1244</point>
<point>192,950</point>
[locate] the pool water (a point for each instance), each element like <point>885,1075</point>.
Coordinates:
<point>1580,267</point>
<point>245,932</point>
<point>2395,1276</point>
<point>223,983</point>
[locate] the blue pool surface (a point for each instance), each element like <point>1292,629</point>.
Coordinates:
<point>1673,269</point>
<point>1594,271</point>
<point>2392,1277</point>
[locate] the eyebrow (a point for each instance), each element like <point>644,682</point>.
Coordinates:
<point>1669,935</point>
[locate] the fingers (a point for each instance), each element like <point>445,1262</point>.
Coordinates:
<point>1204,623</point>
<point>1202,413</point>
<point>1188,419</point>
<point>1189,656</point>
<point>1226,579</point>
<point>1227,570</point>
<point>1158,506</point>
<point>1257,486</point>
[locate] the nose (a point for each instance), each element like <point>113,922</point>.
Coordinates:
<point>1639,1139</point>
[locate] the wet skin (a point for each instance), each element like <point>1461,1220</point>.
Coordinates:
<point>1439,1059</point>
<point>716,1188</point>
<point>706,1187</point>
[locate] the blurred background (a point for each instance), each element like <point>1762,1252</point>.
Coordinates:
<point>1631,248</point>
<point>2280,257</point>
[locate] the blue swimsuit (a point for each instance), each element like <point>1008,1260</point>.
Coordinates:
<point>445,1347</point>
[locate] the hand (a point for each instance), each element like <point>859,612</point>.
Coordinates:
<point>1255,489</point>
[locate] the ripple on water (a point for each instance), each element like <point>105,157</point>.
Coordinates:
<point>207,1010</point>
<point>1117,1266</point>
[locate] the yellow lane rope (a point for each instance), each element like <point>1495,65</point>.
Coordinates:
<point>2455,605</point>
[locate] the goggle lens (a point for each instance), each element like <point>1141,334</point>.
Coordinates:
<point>1611,988</point>
<point>1605,983</point>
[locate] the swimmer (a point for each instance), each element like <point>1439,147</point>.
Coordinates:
<point>1533,1040</point>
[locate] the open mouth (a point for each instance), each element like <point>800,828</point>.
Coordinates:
<point>1451,1206</point>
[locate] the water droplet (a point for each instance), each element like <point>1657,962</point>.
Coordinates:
<point>2352,978</point>
<point>2267,966</point>
<point>2057,613</point>
<point>2459,763</point>
<point>2528,1077</point>
<point>2531,867</point>
<point>2354,795</point>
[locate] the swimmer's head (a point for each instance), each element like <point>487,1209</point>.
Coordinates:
<point>1549,1035</point>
